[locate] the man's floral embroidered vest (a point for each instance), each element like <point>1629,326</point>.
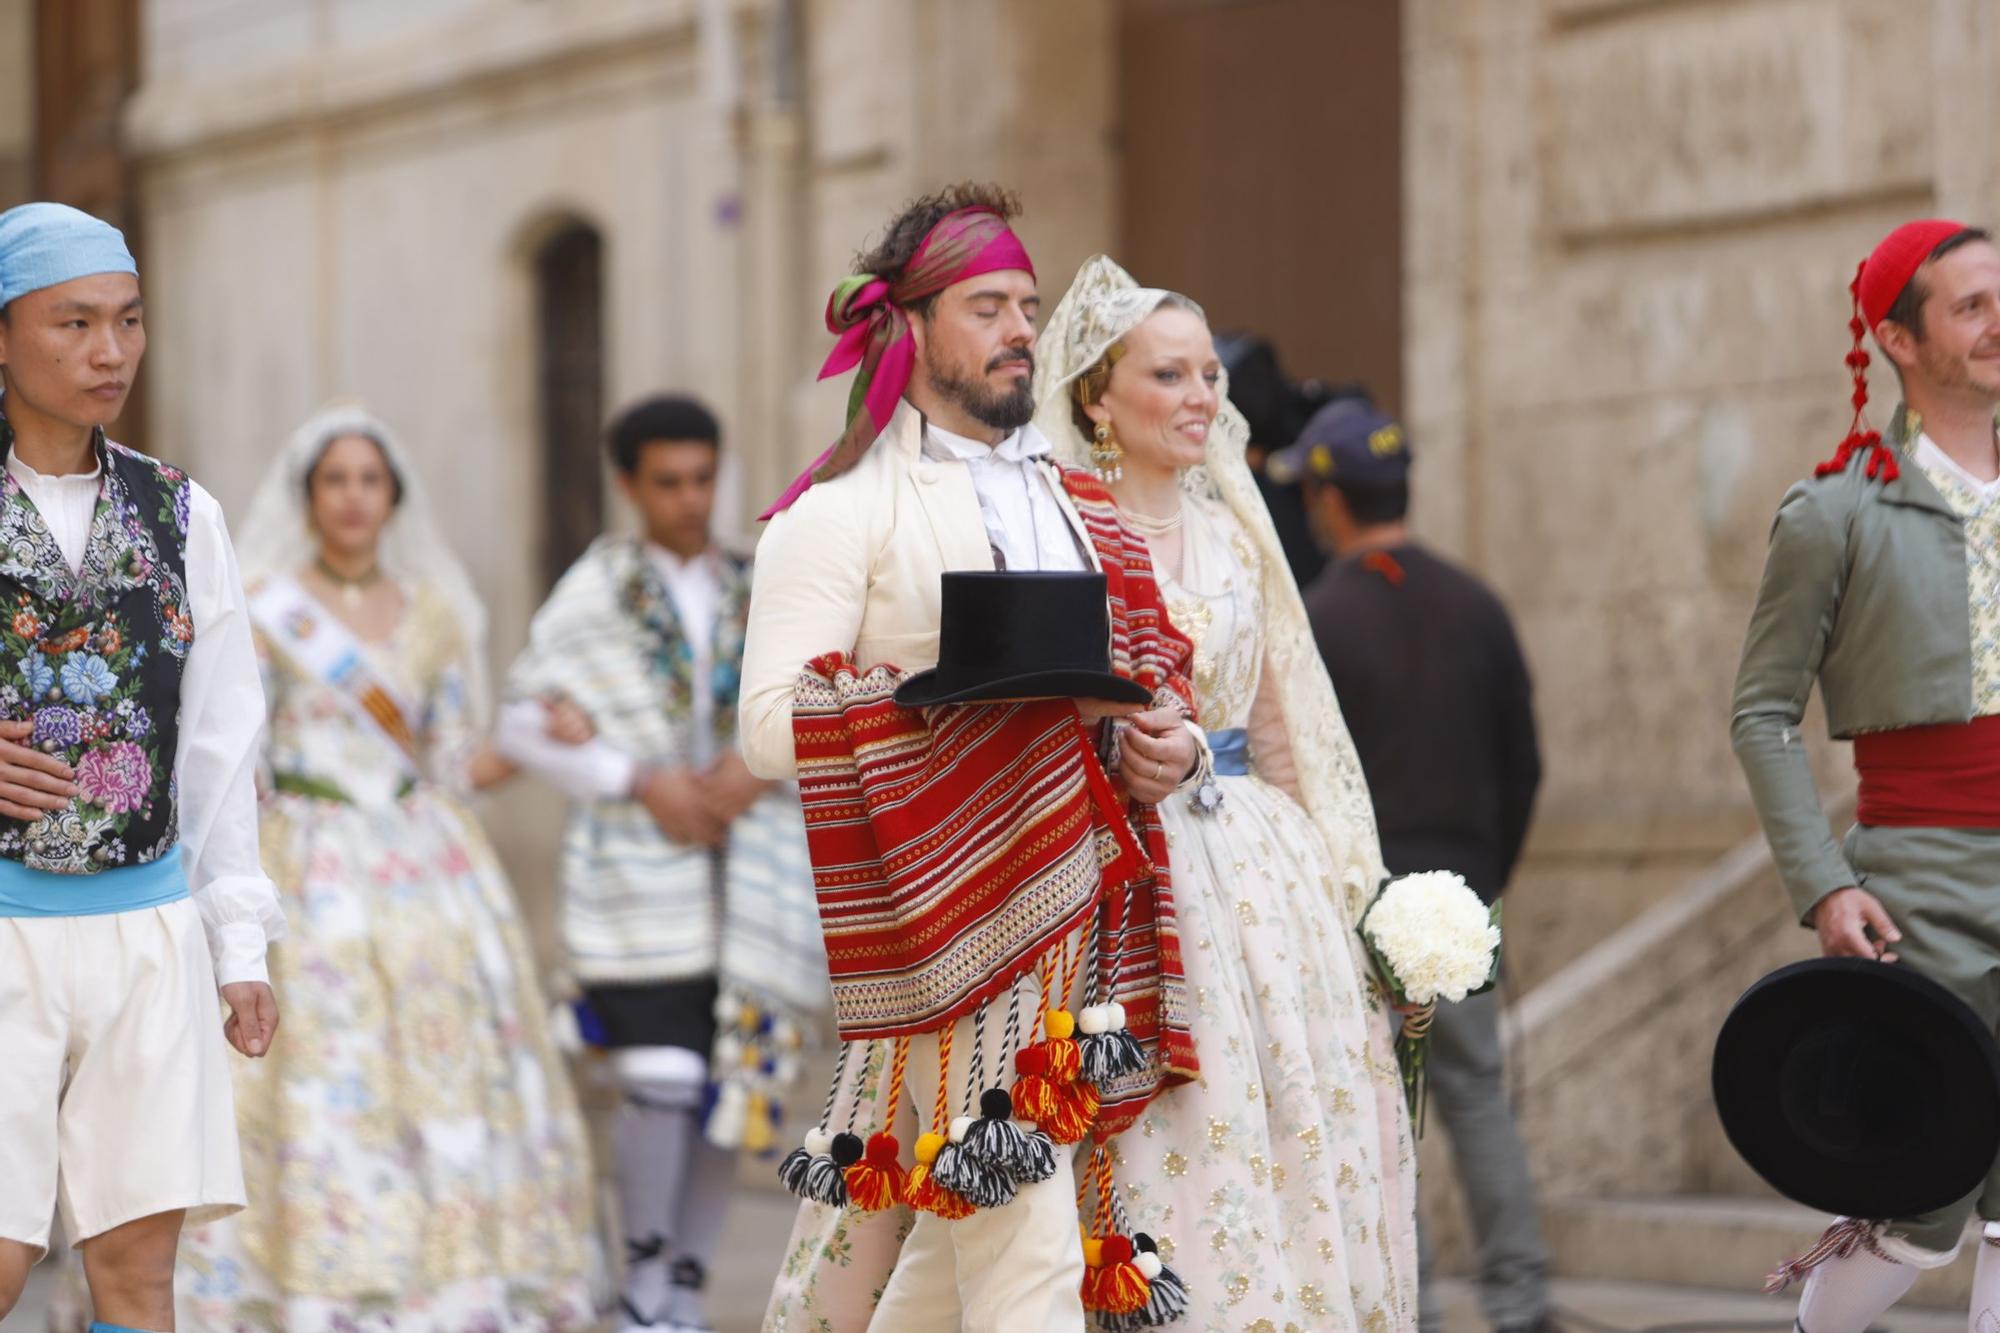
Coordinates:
<point>94,659</point>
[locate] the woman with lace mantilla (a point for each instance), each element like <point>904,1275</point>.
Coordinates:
<point>1281,1184</point>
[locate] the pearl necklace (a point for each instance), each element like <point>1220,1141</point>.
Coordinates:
<point>1148,526</point>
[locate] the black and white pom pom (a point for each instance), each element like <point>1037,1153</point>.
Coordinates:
<point>826,1178</point>
<point>981,1183</point>
<point>1167,1296</point>
<point>994,1138</point>
<point>810,1170</point>
<point>1109,1050</point>
<point>792,1171</point>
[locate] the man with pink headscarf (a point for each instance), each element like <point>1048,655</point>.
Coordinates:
<point>940,469</point>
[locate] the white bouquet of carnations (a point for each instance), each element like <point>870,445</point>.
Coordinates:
<point>1432,939</point>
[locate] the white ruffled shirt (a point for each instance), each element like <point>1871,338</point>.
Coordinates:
<point>221,723</point>
<point>1025,524</point>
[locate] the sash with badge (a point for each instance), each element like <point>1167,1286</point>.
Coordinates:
<point>313,638</point>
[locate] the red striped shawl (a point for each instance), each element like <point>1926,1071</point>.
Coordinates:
<point>953,848</point>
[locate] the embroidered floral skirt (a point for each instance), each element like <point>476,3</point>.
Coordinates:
<point>412,1147</point>
<point>1281,1184</point>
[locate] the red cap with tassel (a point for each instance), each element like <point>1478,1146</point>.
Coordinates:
<point>1878,281</point>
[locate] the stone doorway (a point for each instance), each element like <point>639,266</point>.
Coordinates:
<point>1261,152</point>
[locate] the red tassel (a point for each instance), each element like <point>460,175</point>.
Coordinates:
<point>1072,1112</point>
<point>1122,1289</point>
<point>877,1181</point>
<point>1033,1094</point>
<point>1112,1284</point>
<point>923,1193</point>
<point>1882,464</point>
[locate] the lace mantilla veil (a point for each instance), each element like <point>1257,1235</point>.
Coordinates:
<point>276,536</point>
<point>1101,307</point>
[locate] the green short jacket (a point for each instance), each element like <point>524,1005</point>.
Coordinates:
<point>1864,590</point>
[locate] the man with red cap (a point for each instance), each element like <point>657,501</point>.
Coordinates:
<point>1883,583</point>
<point>940,470</point>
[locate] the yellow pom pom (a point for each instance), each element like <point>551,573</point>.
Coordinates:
<point>757,1127</point>
<point>1060,1024</point>
<point>1093,1252</point>
<point>928,1147</point>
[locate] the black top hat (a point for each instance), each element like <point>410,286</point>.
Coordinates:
<point>1006,635</point>
<point>1859,1088</point>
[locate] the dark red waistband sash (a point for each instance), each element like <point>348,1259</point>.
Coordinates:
<point>1945,776</point>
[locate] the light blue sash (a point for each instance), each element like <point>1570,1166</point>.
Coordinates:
<point>1231,749</point>
<point>25,892</point>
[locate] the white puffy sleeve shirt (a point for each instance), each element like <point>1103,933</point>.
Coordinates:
<point>221,724</point>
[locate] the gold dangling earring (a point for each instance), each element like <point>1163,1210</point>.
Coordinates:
<point>1105,453</point>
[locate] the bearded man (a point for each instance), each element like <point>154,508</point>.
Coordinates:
<point>940,470</point>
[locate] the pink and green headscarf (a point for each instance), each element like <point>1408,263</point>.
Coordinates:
<point>867,314</point>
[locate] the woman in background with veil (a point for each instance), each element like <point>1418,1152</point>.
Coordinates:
<point>412,1147</point>
<point>1282,1184</point>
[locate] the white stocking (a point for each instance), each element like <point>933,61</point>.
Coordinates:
<point>1847,1294</point>
<point>1985,1316</point>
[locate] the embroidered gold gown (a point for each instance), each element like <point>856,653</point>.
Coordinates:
<point>1278,1184</point>
<point>412,1147</point>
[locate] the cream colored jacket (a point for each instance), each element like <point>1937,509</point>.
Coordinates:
<point>853,566</point>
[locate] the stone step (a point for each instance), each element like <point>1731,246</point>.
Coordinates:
<point>1725,1243</point>
<point>1713,1166</point>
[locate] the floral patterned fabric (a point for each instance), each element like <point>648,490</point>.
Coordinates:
<point>1980,513</point>
<point>94,658</point>
<point>1277,1183</point>
<point>412,1147</point>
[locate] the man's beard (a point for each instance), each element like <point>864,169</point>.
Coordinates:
<point>1002,409</point>
<point>1967,374</point>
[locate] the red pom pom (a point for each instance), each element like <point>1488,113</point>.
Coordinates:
<point>876,1181</point>
<point>1117,1250</point>
<point>1032,1061</point>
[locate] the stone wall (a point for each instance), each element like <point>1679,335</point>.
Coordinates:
<point>351,210</point>
<point>17,99</point>
<point>1631,225</point>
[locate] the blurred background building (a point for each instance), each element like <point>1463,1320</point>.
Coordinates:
<point>1595,251</point>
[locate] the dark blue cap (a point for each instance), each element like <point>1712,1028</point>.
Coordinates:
<point>1349,441</point>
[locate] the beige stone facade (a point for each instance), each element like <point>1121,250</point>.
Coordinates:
<point>1625,232</point>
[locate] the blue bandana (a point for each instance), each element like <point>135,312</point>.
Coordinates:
<point>44,244</point>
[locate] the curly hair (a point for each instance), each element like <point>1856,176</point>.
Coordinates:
<point>906,231</point>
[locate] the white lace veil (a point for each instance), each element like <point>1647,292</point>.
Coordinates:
<point>276,535</point>
<point>1101,307</point>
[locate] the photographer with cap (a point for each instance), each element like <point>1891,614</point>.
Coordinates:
<point>1433,686</point>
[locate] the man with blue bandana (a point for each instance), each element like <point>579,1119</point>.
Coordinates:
<point>130,707</point>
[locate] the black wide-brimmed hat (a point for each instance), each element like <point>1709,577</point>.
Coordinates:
<point>1005,635</point>
<point>1859,1088</point>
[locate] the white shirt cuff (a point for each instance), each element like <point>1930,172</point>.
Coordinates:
<point>1204,760</point>
<point>239,949</point>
